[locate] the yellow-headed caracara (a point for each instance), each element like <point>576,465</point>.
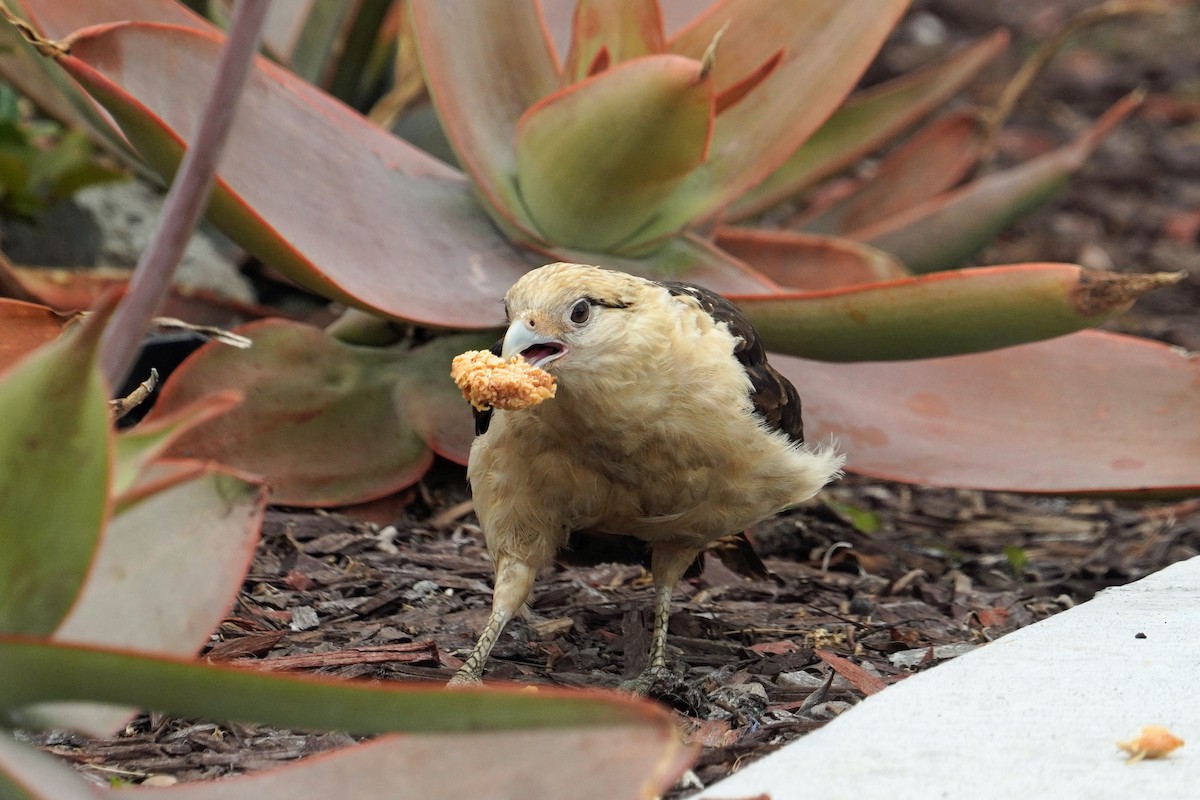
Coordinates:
<point>668,425</point>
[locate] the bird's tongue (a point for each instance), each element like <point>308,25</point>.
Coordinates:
<point>536,352</point>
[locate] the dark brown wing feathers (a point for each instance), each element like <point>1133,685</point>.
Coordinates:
<point>774,397</point>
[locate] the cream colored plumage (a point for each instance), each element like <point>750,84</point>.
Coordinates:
<point>654,432</point>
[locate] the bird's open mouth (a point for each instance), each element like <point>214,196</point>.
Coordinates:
<point>543,353</point>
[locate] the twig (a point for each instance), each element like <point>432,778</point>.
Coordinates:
<point>186,199</point>
<point>123,405</point>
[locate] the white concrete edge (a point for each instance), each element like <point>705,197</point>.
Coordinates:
<point>1034,714</point>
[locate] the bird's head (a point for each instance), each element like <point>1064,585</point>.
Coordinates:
<point>565,317</point>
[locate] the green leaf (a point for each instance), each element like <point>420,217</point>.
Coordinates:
<point>33,671</point>
<point>861,519</point>
<point>595,161</point>
<point>1091,413</point>
<point>54,476</point>
<point>945,313</point>
<point>947,230</point>
<point>867,121</point>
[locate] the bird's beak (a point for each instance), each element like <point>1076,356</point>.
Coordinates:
<point>539,350</point>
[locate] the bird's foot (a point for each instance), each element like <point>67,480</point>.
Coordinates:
<point>464,678</point>
<point>653,677</point>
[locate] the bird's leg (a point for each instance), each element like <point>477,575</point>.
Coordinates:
<point>514,580</point>
<point>667,563</point>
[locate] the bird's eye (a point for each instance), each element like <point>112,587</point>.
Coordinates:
<point>580,312</point>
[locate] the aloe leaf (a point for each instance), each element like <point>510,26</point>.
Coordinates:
<point>595,160</point>
<point>141,593</point>
<point>26,327</point>
<point>681,258</point>
<point>867,121</point>
<point>36,671</point>
<point>484,64</point>
<point>805,56</point>
<point>435,405</point>
<point>321,419</point>
<point>636,762</point>
<point>608,32</point>
<point>947,230</point>
<point>388,255</point>
<point>54,476</point>
<point>933,161</point>
<point>945,313</point>
<point>138,447</point>
<point>29,774</point>
<point>1115,415</point>
<point>809,262</point>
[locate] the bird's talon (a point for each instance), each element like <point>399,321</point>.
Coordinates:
<point>642,684</point>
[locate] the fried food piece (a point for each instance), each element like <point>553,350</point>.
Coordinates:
<point>488,381</point>
<point>1155,741</point>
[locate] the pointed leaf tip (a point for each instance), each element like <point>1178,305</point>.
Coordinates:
<point>1103,292</point>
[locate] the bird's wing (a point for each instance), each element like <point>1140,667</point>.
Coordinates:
<point>484,418</point>
<point>774,397</point>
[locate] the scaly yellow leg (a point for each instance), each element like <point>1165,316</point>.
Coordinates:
<point>514,581</point>
<point>668,563</point>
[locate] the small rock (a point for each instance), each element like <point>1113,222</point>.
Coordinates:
<point>911,658</point>
<point>304,618</point>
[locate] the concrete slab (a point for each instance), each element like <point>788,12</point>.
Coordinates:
<point>1032,715</point>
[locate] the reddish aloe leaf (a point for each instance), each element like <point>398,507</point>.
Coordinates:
<point>945,313</point>
<point>410,236</point>
<point>635,762</point>
<point>826,45</point>
<point>27,773</point>
<point>138,447</point>
<point>933,161</point>
<point>683,258</point>
<point>58,19</point>
<point>1092,412</point>
<point>321,420</point>
<point>945,231</point>
<point>24,327</point>
<point>55,447</point>
<point>485,63</point>
<point>69,289</point>
<point>607,32</point>
<point>866,122</point>
<point>141,592</point>
<point>811,263</point>
<point>436,407</point>
<point>596,160</point>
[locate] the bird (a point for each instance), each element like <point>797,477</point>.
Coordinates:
<point>668,425</point>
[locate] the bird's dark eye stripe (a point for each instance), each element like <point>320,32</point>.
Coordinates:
<point>606,303</point>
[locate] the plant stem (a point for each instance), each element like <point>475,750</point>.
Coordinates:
<point>186,199</point>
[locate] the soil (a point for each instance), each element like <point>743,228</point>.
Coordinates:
<point>891,578</point>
